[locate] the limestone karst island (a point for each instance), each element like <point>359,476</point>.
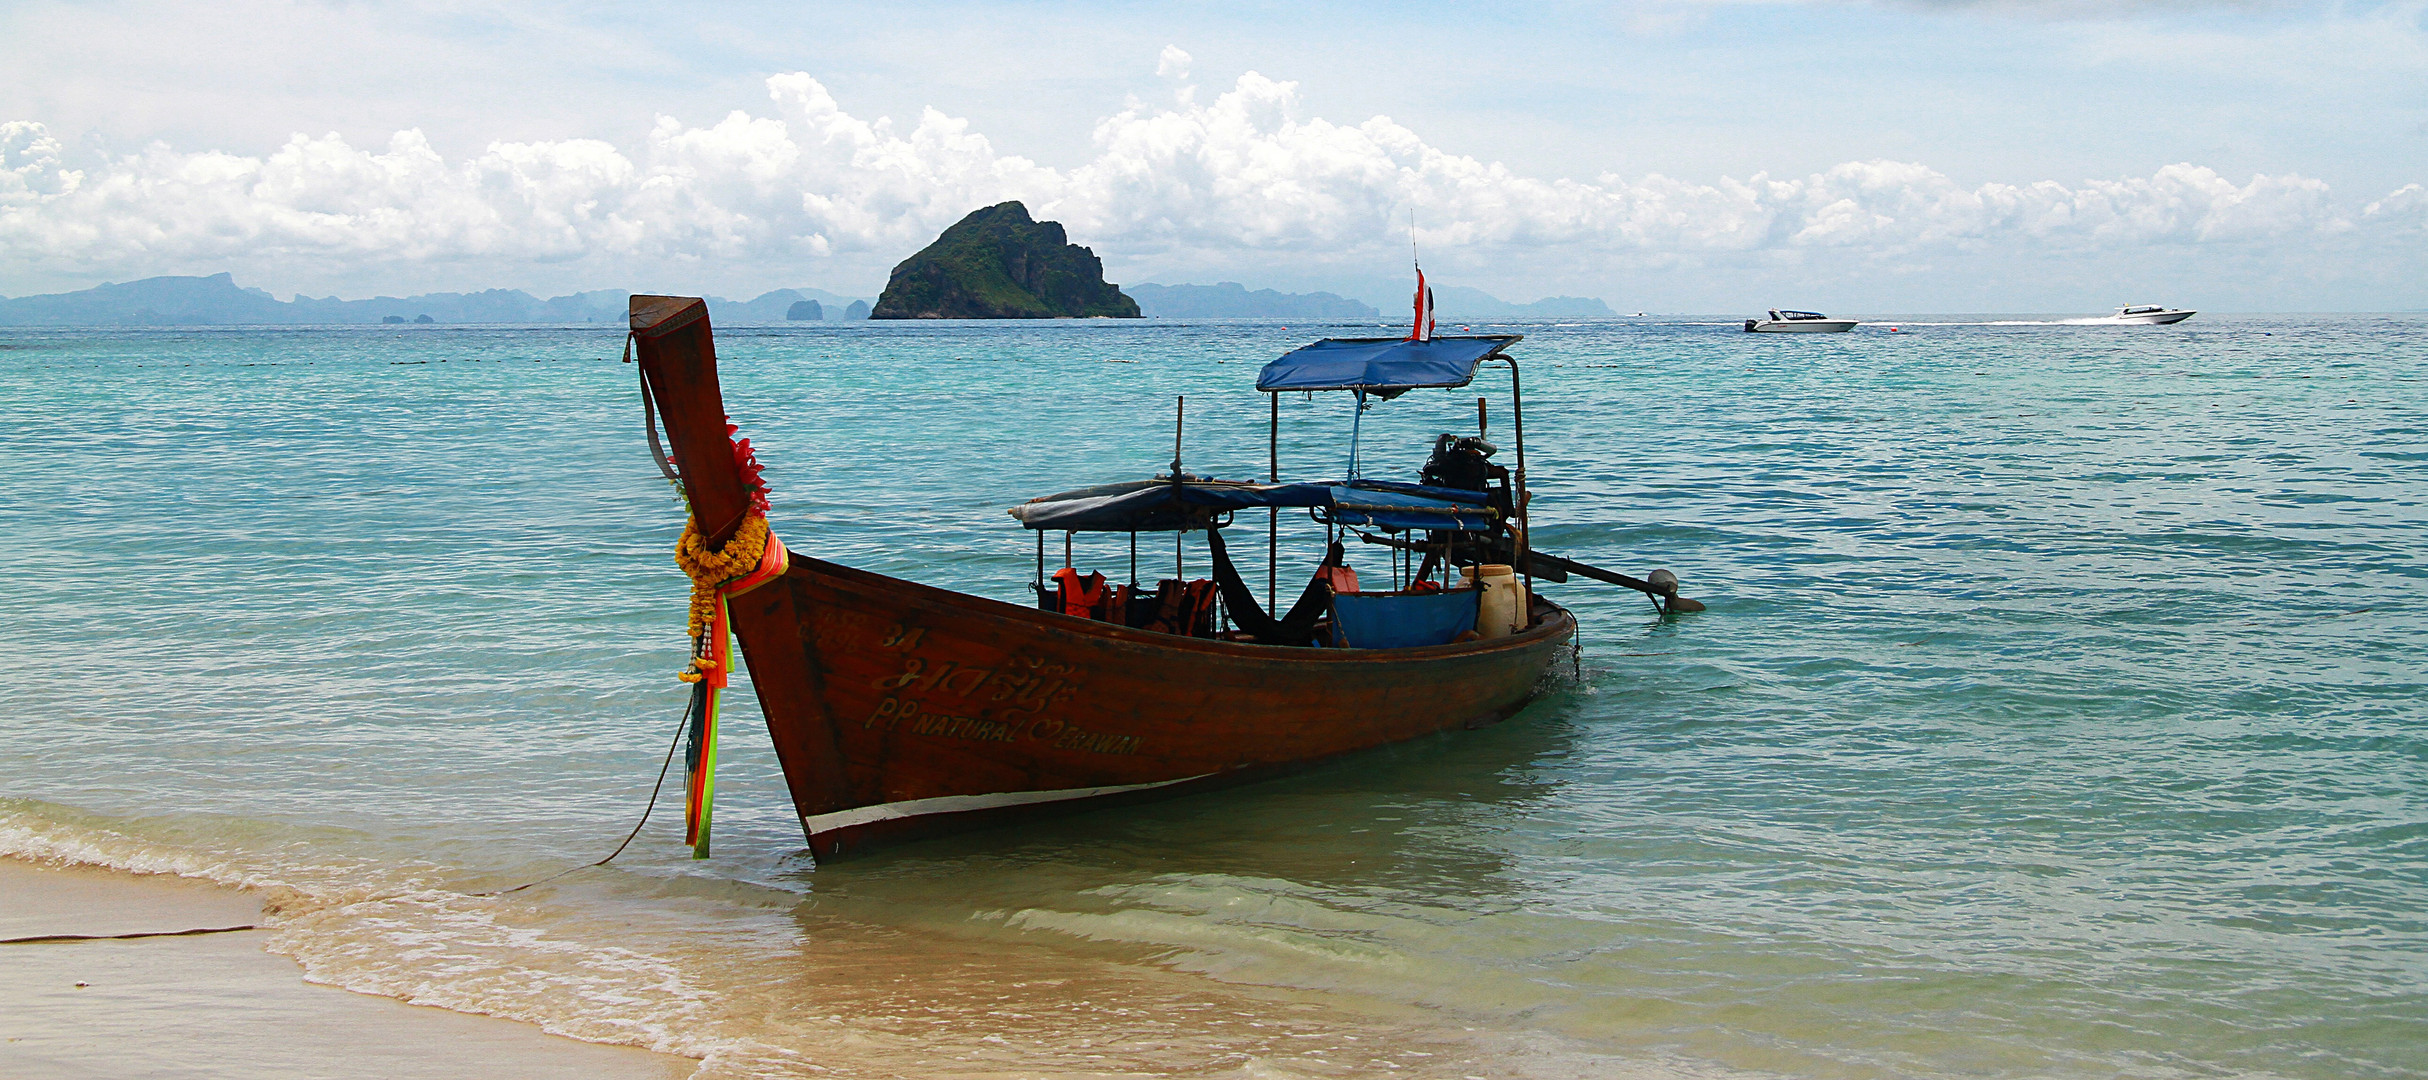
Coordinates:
<point>998,263</point>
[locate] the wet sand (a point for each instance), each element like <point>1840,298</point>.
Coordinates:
<point>218,1006</point>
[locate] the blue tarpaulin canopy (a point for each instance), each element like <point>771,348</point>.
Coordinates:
<point>1397,507</point>
<point>1195,503</point>
<point>1385,367</point>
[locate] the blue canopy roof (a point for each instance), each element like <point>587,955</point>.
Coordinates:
<point>1387,367</point>
<point>1195,503</point>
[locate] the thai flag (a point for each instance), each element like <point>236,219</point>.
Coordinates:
<point>1423,331</point>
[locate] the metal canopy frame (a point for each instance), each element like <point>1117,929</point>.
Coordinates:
<point>1517,409</point>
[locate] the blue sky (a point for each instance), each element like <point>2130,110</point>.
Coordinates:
<point>1688,156</point>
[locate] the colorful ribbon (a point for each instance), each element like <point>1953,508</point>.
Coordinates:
<point>709,677</point>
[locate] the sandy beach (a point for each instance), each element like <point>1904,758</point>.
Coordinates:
<point>217,1005</point>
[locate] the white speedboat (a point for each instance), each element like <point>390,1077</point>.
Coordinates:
<point>1798,322</point>
<point>2148,315</point>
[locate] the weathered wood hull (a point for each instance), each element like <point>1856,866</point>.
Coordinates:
<point>900,710</point>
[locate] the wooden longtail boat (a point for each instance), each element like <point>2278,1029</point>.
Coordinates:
<point>899,710</point>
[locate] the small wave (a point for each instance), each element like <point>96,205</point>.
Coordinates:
<point>390,931</point>
<point>773,990</point>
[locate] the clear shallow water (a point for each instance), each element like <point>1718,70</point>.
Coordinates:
<point>2058,711</point>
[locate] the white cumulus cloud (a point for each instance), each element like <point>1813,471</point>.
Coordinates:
<point>2406,209</point>
<point>1240,174</point>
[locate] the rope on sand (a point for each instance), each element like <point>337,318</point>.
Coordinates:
<point>45,939</point>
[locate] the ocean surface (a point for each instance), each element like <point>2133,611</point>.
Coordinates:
<point>2061,709</point>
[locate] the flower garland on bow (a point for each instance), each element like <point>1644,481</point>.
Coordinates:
<point>751,557</point>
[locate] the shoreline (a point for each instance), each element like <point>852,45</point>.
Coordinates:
<point>218,1004</point>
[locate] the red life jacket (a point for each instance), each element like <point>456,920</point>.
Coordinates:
<point>1083,595</point>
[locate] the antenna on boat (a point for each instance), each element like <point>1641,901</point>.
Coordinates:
<point>1180,415</point>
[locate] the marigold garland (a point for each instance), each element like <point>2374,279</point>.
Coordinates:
<point>709,569</point>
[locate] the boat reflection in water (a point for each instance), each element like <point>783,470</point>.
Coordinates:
<point>899,710</point>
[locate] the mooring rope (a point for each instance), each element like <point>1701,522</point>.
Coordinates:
<point>46,939</point>
<point>649,421</point>
<point>654,790</point>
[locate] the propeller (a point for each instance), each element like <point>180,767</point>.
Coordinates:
<point>1661,585</point>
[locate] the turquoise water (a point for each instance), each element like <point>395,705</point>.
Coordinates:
<point>2058,712</point>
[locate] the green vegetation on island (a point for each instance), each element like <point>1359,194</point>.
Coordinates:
<point>998,263</point>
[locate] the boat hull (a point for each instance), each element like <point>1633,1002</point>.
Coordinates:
<point>900,710</point>
<point>1801,326</point>
<point>2155,318</point>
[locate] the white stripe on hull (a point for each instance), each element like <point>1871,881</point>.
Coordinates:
<point>954,804</point>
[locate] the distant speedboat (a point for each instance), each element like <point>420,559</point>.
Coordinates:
<point>2147,315</point>
<point>1801,322</point>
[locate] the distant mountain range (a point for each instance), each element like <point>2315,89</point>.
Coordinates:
<point>1462,302</point>
<point>218,301</point>
<point>1232,300</point>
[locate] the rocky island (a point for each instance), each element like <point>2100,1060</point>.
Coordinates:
<point>998,263</point>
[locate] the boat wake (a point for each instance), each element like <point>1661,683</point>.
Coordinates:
<point>2095,320</point>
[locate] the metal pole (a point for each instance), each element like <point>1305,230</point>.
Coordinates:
<point>1482,429</point>
<point>1133,557</point>
<point>1041,565</point>
<point>1273,513</point>
<point>1356,420</point>
<point>1066,549</point>
<point>1517,410</point>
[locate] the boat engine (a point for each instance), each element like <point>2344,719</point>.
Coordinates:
<point>1461,461</point>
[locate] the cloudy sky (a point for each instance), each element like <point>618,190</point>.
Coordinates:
<point>1672,155</point>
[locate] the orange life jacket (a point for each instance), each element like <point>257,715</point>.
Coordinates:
<point>1185,608</point>
<point>1083,595</point>
<point>1198,609</point>
<point>1340,578</point>
<point>1170,601</point>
